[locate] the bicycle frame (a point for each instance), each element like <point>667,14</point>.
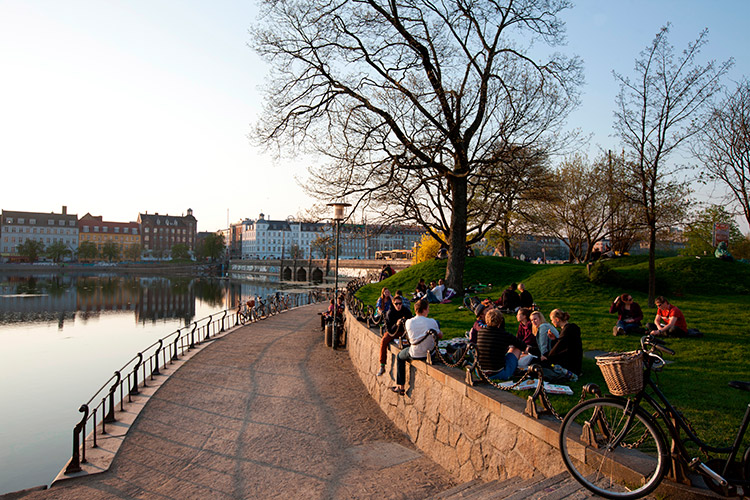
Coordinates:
<point>675,423</point>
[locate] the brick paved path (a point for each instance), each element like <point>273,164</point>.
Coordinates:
<point>264,412</point>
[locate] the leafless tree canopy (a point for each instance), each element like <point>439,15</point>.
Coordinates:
<point>416,103</point>
<point>724,146</point>
<point>654,117</point>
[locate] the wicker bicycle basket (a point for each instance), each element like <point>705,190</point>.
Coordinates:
<point>623,371</point>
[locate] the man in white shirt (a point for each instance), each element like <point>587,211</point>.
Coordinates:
<point>420,341</point>
<point>439,290</point>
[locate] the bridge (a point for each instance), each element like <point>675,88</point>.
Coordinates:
<point>310,270</point>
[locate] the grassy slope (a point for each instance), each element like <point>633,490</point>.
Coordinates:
<point>712,294</point>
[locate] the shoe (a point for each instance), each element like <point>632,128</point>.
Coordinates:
<point>381,371</point>
<point>615,331</point>
<point>621,331</point>
<point>398,391</point>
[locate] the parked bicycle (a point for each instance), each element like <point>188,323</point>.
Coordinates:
<point>614,446</point>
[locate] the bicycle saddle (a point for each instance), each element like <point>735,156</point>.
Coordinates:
<point>745,386</point>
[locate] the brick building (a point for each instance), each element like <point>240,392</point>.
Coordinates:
<point>159,233</point>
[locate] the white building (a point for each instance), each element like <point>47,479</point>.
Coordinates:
<point>47,228</point>
<point>274,239</point>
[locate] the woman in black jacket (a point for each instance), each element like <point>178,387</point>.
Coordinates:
<point>568,349</point>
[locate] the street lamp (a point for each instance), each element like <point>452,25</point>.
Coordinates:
<point>339,214</point>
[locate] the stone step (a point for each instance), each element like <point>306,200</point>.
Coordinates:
<point>559,487</point>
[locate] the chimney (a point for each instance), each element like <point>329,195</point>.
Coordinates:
<point>65,210</point>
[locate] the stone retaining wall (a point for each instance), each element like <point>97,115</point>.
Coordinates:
<point>473,432</point>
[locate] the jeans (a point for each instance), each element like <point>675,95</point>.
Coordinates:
<point>630,328</point>
<point>401,360</point>
<point>511,363</point>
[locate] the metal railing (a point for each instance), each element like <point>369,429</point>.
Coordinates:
<point>101,409</point>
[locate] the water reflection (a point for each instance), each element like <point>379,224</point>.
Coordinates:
<point>64,334</point>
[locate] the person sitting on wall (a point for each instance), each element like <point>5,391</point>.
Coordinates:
<point>629,315</point>
<point>669,321</point>
<point>384,302</point>
<point>420,342</point>
<point>399,295</point>
<point>395,320</point>
<point>384,274</point>
<point>497,350</point>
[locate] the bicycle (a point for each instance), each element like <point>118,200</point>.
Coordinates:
<point>616,449</point>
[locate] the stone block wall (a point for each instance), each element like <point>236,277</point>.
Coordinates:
<point>473,432</point>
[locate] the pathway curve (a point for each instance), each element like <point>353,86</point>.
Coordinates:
<point>264,412</point>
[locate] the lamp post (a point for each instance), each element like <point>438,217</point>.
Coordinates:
<point>339,214</point>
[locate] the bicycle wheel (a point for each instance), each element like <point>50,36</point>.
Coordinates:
<point>631,469</point>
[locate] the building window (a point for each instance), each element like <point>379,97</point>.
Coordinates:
<point>96,229</point>
<point>32,221</point>
<point>50,222</point>
<point>9,220</point>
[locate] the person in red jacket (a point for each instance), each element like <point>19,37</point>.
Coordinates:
<point>669,321</point>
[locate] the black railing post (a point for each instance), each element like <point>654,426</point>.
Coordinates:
<point>208,327</point>
<point>156,371</point>
<point>176,340</point>
<point>134,387</point>
<point>192,335</point>
<point>75,461</point>
<point>110,415</point>
<point>222,320</point>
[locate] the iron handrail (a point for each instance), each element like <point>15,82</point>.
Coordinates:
<point>186,341</point>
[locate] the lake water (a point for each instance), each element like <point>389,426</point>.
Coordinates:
<point>63,335</point>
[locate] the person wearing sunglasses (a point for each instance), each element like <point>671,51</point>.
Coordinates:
<point>629,315</point>
<point>395,319</point>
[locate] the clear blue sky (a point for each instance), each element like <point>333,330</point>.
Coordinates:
<point>116,107</point>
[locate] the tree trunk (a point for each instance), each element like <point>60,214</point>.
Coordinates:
<point>454,272</point>
<point>651,263</point>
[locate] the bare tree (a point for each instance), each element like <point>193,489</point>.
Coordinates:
<point>577,209</point>
<point>624,229</point>
<point>724,146</point>
<point>653,119</point>
<point>414,101</point>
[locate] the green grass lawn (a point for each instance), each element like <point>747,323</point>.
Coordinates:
<point>713,295</point>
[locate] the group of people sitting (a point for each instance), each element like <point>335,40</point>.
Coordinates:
<point>669,320</point>
<point>514,298</point>
<point>434,294</point>
<point>555,345</point>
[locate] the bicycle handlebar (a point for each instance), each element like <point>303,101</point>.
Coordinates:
<point>656,343</point>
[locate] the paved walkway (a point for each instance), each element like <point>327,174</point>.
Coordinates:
<point>264,412</point>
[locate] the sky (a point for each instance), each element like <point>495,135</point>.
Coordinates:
<point>124,106</point>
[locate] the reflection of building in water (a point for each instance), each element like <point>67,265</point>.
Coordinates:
<point>160,298</point>
<point>37,300</point>
<point>107,294</point>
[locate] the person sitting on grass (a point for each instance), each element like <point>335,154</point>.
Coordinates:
<point>525,298</point>
<point>629,315</point>
<point>545,334</point>
<point>384,302</point>
<point>669,321</point>
<point>421,289</point>
<point>497,350</point>
<point>420,342</point>
<point>568,350</point>
<point>394,327</point>
<point>525,329</point>
<point>509,300</point>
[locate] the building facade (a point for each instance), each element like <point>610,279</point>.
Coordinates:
<point>126,236</point>
<point>159,233</point>
<point>274,239</point>
<point>46,228</point>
